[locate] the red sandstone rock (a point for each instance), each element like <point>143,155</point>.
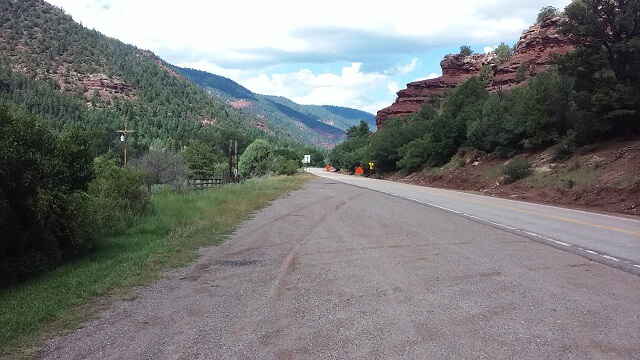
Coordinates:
<point>535,49</point>
<point>108,87</point>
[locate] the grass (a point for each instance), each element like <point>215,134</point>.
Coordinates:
<point>167,238</point>
<point>578,177</point>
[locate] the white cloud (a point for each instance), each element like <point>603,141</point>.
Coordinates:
<point>409,68</point>
<point>277,30</point>
<point>489,49</point>
<point>429,77</point>
<point>244,40</point>
<point>351,87</point>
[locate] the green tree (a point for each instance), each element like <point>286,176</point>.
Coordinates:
<point>118,195</point>
<point>359,130</point>
<point>385,145</point>
<point>44,212</point>
<point>546,13</point>
<point>503,52</point>
<point>485,75</point>
<point>200,159</point>
<point>465,50</point>
<point>612,26</point>
<point>256,160</point>
<point>606,63</point>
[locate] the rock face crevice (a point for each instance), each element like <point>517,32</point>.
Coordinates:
<point>534,51</point>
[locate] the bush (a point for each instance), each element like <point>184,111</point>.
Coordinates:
<point>504,52</point>
<point>283,166</point>
<point>255,161</point>
<point>518,168</point>
<point>43,205</point>
<point>546,13</point>
<point>564,148</point>
<point>165,167</point>
<point>465,50</point>
<point>118,196</point>
<point>385,147</point>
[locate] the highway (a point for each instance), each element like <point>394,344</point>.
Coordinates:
<point>612,240</point>
<point>335,271</point>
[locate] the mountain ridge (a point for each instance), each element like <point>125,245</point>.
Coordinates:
<point>326,120</point>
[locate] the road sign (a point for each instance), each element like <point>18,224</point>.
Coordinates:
<point>359,170</point>
<point>371,166</point>
<point>307,159</point>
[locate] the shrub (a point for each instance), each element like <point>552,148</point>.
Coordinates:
<point>465,50</point>
<point>518,168</point>
<point>546,13</point>
<point>564,148</point>
<point>503,52</point>
<point>43,206</point>
<point>521,72</point>
<point>256,159</point>
<point>165,167</point>
<point>283,166</point>
<point>118,195</point>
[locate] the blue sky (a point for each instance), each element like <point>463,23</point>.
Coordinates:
<point>346,53</point>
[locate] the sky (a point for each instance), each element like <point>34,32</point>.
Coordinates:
<point>347,53</point>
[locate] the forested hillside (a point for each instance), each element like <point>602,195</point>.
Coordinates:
<point>65,91</point>
<point>70,76</point>
<point>325,125</point>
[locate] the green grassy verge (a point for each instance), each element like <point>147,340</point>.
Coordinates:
<point>166,238</point>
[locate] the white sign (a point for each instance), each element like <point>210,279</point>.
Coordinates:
<point>307,159</point>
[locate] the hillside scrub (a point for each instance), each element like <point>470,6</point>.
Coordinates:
<point>518,168</point>
<point>540,114</point>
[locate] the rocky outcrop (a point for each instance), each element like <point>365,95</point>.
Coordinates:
<point>534,52</point>
<point>107,87</point>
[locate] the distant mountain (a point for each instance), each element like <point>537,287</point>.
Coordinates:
<point>353,114</point>
<point>212,81</point>
<point>330,122</point>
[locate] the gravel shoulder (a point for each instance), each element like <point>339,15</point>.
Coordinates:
<point>334,271</point>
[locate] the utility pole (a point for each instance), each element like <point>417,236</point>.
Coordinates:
<point>230,160</point>
<point>233,160</point>
<point>123,138</point>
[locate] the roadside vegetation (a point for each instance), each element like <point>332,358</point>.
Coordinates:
<point>588,96</point>
<point>78,225</point>
<point>167,235</point>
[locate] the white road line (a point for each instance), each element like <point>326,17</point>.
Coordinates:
<point>497,224</point>
<point>610,257</point>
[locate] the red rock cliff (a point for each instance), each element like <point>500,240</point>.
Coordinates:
<point>535,49</point>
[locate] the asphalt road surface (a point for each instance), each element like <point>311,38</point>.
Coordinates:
<point>335,271</point>
<point>604,238</point>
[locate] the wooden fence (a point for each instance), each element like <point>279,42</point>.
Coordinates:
<point>201,183</point>
<point>204,183</point>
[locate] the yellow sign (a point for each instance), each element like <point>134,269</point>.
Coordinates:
<point>370,166</point>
